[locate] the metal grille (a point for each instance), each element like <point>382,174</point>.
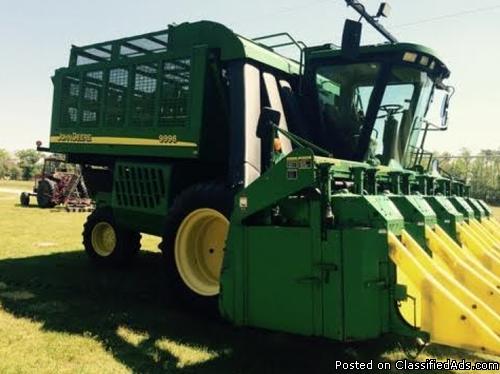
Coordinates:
<point>118,77</point>
<point>116,103</point>
<point>91,100</point>
<point>74,88</point>
<point>139,187</point>
<point>174,92</point>
<point>140,45</point>
<point>72,114</point>
<point>69,102</point>
<point>144,95</point>
<point>89,116</point>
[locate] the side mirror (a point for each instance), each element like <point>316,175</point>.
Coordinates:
<point>444,111</point>
<point>268,118</point>
<point>351,38</point>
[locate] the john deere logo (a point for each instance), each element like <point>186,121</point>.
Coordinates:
<point>75,138</point>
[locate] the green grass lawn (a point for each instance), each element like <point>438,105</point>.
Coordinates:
<point>60,314</point>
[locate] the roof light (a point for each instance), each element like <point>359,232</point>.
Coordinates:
<point>424,60</point>
<point>410,57</point>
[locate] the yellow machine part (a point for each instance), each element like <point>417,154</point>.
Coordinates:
<point>487,237</point>
<point>446,279</point>
<point>494,221</point>
<point>483,239</point>
<point>450,313</point>
<point>478,248</point>
<point>459,260</point>
<point>444,255</point>
<point>489,224</point>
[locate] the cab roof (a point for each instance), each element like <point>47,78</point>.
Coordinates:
<point>408,52</point>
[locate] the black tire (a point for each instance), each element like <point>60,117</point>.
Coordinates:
<point>204,195</point>
<point>24,199</point>
<point>45,193</point>
<point>128,243</point>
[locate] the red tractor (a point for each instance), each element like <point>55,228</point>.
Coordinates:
<point>59,183</point>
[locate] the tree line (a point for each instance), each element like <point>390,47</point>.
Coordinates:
<point>481,171</point>
<point>21,165</point>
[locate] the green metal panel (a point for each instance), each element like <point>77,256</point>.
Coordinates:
<point>366,283</point>
<point>278,183</point>
<point>479,211</point>
<point>417,214</point>
<point>232,299</point>
<point>273,186</point>
<point>103,199</point>
<point>280,279</point>
<point>367,272</point>
<point>447,215</point>
<point>333,287</point>
<point>369,211</point>
<point>328,282</point>
<point>140,196</point>
<point>485,206</point>
<point>461,205</point>
<point>231,45</point>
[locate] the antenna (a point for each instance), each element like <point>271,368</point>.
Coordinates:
<point>383,11</point>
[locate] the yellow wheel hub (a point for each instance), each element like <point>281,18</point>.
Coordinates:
<point>199,250</point>
<point>103,239</point>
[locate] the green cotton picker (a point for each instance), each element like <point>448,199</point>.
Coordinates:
<point>293,196</point>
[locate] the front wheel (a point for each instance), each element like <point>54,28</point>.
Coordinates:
<point>107,243</point>
<point>24,199</point>
<point>195,241</point>
<point>45,193</point>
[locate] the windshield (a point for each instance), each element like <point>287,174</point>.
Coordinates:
<point>401,112</point>
<point>344,95</point>
<point>432,119</point>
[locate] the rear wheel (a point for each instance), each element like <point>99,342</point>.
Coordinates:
<point>105,242</point>
<point>24,199</point>
<point>194,243</point>
<point>45,193</point>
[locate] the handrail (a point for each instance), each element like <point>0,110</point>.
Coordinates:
<point>298,43</point>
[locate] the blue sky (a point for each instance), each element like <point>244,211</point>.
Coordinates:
<point>35,38</point>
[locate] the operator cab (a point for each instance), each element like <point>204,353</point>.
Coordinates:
<point>372,107</point>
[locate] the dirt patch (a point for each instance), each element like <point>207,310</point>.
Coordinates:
<point>16,191</point>
<point>45,244</point>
